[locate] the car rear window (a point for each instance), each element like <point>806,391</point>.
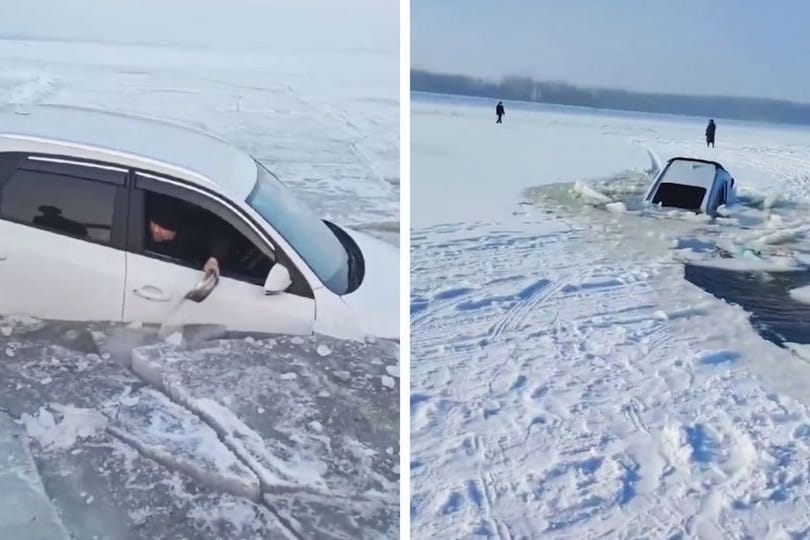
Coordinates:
<point>679,196</point>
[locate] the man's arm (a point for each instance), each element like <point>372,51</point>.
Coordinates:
<point>217,252</point>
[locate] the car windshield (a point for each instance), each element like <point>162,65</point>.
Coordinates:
<point>308,235</point>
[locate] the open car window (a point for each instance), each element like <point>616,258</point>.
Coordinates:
<point>198,235</point>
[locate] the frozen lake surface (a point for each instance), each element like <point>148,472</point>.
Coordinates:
<point>567,380</point>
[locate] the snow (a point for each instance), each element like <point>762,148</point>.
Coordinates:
<point>74,424</point>
<point>567,381</point>
<point>175,338</point>
<point>616,207</point>
<point>451,180</point>
<point>802,294</point>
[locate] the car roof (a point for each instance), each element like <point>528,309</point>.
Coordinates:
<point>699,160</point>
<point>130,140</point>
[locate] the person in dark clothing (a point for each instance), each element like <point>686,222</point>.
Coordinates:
<point>178,235</point>
<point>499,110</point>
<point>710,129</point>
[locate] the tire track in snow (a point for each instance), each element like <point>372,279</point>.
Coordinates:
<point>528,299</point>
<point>638,340</point>
<point>510,325</point>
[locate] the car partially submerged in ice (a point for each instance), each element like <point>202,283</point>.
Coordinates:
<point>77,187</point>
<point>693,184</point>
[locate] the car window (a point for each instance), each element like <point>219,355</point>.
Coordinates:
<point>195,234</point>
<point>66,205</point>
<point>679,196</point>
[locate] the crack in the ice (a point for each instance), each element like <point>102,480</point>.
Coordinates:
<point>221,434</point>
<point>188,468</point>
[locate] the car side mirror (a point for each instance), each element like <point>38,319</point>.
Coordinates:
<point>278,279</point>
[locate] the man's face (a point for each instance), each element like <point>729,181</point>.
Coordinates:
<point>161,234</point>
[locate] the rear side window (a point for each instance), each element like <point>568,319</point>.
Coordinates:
<point>66,205</point>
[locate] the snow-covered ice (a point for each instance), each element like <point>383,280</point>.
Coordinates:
<point>176,430</point>
<point>75,424</point>
<point>567,381</point>
<point>29,513</point>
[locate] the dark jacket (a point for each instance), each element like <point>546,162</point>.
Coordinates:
<point>499,110</point>
<point>710,129</point>
<point>193,244</point>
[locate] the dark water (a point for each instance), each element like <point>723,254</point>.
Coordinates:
<point>774,314</point>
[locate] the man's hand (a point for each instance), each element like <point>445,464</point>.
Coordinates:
<point>212,267</point>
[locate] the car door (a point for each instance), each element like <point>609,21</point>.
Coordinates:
<point>62,232</point>
<point>156,284</point>
<point>719,195</point>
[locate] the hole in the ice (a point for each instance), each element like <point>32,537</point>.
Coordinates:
<point>775,315</point>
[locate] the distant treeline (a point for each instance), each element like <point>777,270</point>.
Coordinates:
<point>560,93</point>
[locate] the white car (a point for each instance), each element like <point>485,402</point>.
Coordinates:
<point>75,243</point>
<point>692,184</point>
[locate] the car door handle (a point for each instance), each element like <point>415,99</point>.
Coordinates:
<point>3,258</point>
<point>152,293</point>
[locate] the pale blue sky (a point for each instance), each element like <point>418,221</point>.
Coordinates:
<point>731,47</point>
<point>369,25</point>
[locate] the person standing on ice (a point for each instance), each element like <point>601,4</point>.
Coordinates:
<point>499,110</point>
<point>710,129</point>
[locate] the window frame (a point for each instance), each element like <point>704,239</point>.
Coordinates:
<point>142,180</point>
<point>72,168</point>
